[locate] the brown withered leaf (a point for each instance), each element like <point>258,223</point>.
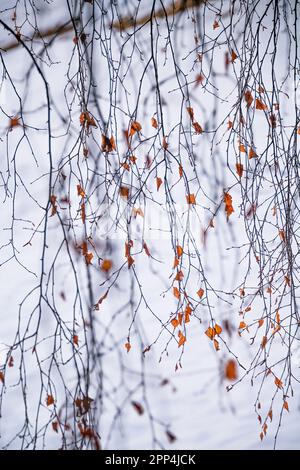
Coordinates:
<point>158,183</point>
<point>191,199</point>
<point>171,437</point>
<point>197,127</point>
<point>182,339</point>
<point>124,192</point>
<point>135,127</point>
<point>259,104</point>
<point>191,112</point>
<point>106,265</point>
<point>231,372</point>
<point>107,144</point>
<point>154,123</point>
<point>228,205</point>
<point>200,293</point>
<point>239,169</point>
<point>278,382</point>
<point>248,98</point>
<point>176,292</point>
<point>49,400</point>
<point>138,407</point>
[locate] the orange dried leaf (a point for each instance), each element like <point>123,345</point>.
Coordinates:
<point>75,339</point>
<point>180,171</point>
<point>53,199</point>
<point>106,265</point>
<point>135,127</point>
<point>229,124</point>
<point>216,24</point>
<point>216,345</point>
<point>278,317</point>
<point>176,292</point>
<point>190,198</point>
<point>154,123</point>
<point>210,332</point>
<point>218,329</point>
<point>112,143</point>
<point>242,148</point>
<point>252,153</point>
<point>82,118</point>
<point>197,127</point>
<point>270,414</point>
<point>158,183</point>
<point>55,426</point>
<point>80,191</point>
<point>228,204</point>
<point>233,56</point>
<point>1,376</point>
<point>272,119</point>
<point>82,212</point>
<point>248,98</point>
<point>231,370</point>
<point>124,191</point>
<point>179,276</point>
<point>179,251</point>
<point>49,400</point>
<point>191,112</point>
<point>200,293</point>
<point>264,341</point>
<point>199,79</point>
<point>107,145</point>
<point>128,246</point>
<point>286,405</point>
<point>278,382</point>
<point>175,322</point>
<point>88,258</point>
<point>259,418</point>
<point>242,325</point>
<point>84,248</point>
<point>130,261</point>
<point>260,105</point>
<point>187,317</point>
<point>14,122</point>
<point>239,169</point>
<point>282,235</point>
<point>127,346</point>
<point>176,263</point>
<point>260,322</point>
<point>182,339</point>
<point>165,143</point>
